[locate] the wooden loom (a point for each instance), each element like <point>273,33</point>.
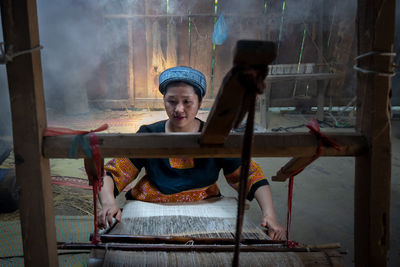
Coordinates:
<point>370,145</point>
<point>208,228</point>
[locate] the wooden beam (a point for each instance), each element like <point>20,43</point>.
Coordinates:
<point>221,118</point>
<point>231,102</point>
<point>25,82</point>
<point>293,165</point>
<point>145,103</point>
<point>373,170</point>
<point>157,103</point>
<point>160,145</point>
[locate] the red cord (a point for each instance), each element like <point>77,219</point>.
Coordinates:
<point>96,156</point>
<point>289,209</point>
<point>322,140</point>
<point>56,131</point>
<point>94,146</point>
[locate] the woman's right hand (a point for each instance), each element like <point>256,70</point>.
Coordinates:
<point>109,208</point>
<point>107,213</point>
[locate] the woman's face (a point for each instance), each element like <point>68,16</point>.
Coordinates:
<point>181,104</point>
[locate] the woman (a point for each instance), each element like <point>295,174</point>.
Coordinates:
<point>182,179</point>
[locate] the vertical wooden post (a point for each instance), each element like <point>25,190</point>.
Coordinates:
<point>373,170</point>
<point>20,28</point>
<point>265,103</point>
<point>321,85</point>
<point>131,81</point>
<point>320,101</point>
<point>149,49</point>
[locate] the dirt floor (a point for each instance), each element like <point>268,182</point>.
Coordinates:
<point>323,205</point>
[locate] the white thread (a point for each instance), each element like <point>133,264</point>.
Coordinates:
<point>8,57</point>
<point>372,53</point>
<point>190,243</point>
<point>387,74</point>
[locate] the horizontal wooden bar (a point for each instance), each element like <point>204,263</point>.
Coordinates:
<point>145,103</point>
<point>112,238</point>
<point>161,145</point>
<point>312,76</point>
<point>158,103</point>
<point>183,248</point>
<point>308,101</point>
<point>211,15</point>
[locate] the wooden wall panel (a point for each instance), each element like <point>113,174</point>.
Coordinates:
<point>246,20</point>
<point>310,30</point>
<point>155,54</point>
<point>252,27</point>
<point>200,35</point>
<point>290,46</point>
<point>341,43</point>
<point>139,52</point>
<point>181,7</point>
<point>182,31</point>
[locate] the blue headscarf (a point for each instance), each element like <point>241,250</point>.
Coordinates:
<point>183,74</point>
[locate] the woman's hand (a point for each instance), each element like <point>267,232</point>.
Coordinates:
<point>107,213</point>
<point>264,199</point>
<point>109,208</point>
<point>275,230</point>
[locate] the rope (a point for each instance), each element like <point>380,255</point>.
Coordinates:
<point>372,53</point>
<point>9,56</point>
<point>365,71</point>
<point>323,140</point>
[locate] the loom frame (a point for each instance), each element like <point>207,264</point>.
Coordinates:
<point>373,167</point>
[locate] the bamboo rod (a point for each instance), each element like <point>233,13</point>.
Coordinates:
<point>160,145</point>
<point>112,238</point>
<point>182,248</point>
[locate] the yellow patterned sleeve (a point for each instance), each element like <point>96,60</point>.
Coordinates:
<point>256,179</point>
<point>123,172</point>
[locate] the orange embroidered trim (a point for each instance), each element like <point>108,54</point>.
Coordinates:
<point>255,174</point>
<point>123,171</point>
<point>181,163</point>
<point>147,191</point>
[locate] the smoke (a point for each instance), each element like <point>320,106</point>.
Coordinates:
<point>69,32</point>
<point>80,42</point>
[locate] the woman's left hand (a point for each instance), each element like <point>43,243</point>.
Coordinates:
<point>275,230</point>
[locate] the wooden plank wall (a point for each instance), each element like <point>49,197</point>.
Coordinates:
<point>200,45</point>
<point>250,26</point>
<point>287,22</point>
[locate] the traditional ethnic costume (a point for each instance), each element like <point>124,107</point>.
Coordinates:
<point>179,179</point>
